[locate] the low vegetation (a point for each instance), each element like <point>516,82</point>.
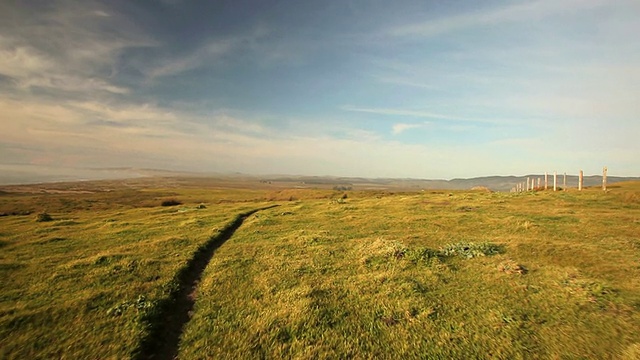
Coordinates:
<point>369,275</point>
<point>171,202</point>
<point>86,284</point>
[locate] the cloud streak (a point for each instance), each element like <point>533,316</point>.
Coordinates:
<point>517,12</point>
<point>419,114</point>
<point>399,128</point>
<point>72,47</point>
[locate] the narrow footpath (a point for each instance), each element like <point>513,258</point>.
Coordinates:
<point>168,324</point>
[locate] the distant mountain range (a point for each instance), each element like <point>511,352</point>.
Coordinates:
<point>32,174</point>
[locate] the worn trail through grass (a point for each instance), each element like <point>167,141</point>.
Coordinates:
<point>169,321</point>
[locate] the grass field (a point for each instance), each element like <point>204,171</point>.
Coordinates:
<point>431,274</point>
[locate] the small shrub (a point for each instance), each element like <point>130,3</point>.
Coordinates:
<point>43,217</point>
<point>171,202</point>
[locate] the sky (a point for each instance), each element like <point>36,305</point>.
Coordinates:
<point>420,89</point>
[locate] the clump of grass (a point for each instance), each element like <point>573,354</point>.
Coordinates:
<point>527,224</point>
<point>470,250</point>
<point>44,217</point>
<point>141,304</point>
<point>171,202</point>
<point>381,249</point>
<point>511,267</point>
<point>422,254</point>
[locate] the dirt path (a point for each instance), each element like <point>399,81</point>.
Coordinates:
<point>168,324</point>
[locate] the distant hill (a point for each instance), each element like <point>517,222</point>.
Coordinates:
<point>495,183</point>
<point>505,183</point>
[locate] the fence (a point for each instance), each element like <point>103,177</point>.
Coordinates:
<point>529,185</point>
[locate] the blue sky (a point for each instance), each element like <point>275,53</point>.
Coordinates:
<point>423,89</point>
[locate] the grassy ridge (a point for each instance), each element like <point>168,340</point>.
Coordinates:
<point>87,284</point>
<point>378,277</point>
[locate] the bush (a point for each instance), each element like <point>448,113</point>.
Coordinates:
<point>171,202</point>
<point>43,217</point>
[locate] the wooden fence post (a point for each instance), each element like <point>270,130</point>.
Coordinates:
<point>580,181</point>
<point>528,184</point>
<point>564,182</point>
<point>555,181</point>
<point>604,178</point>
<point>546,180</point>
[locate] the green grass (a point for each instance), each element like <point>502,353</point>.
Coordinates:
<point>83,285</point>
<point>470,275</point>
<point>376,275</point>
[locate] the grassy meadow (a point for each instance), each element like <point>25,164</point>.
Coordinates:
<point>326,274</point>
<point>86,284</point>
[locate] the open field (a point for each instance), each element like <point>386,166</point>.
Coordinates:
<point>376,274</point>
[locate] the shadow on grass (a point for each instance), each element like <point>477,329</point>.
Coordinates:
<point>167,319</point>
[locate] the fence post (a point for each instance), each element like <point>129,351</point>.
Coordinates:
<point>604,178</point>
<point>546,180</point>
<point>580,181</point>
<point>555,181</point>
<point>528,184</point>
<point>538,183</point>
<point>564,182</point>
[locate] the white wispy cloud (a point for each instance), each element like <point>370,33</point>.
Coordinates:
<point>133,135</point>
<point>419,114</point>
<point>70,47</point>
<point>514,12</point>
<point>201,56</point>
<point>207,54</point>
<point>405,82</point>
<point>402,127</point>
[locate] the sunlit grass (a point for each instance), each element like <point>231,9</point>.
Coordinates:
<point>82,284</point>
<point>433,274</point>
